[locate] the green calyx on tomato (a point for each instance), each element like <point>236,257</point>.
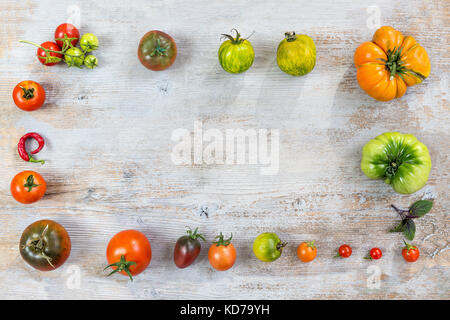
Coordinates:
<point>400,159</point>
<point>311,244</point>
<point>194,235</point>
<point>30,183</point>
<point>236,55</point>
<point>122,265</point>
<point>221,241</point>
<point>296,54</point>
<point>27,93</point>
<point>267,247</point>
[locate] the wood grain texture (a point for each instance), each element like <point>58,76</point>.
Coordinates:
<point>108,134</point>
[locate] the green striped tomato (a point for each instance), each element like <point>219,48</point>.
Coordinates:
<point>400,159</point>
<point>236,55</point>
<point>296,54</point>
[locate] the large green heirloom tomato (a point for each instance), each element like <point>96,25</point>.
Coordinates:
<point>296,54</point>
<point>400,159</point>
<point>267,247</point>
<point>236,55</point>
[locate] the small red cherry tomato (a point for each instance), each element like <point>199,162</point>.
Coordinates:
<point>28,95</point>
<point>374,254</point>
<point>66,33</point>
<point>344,251</point>
<point>410,253</point>
<point>53,57</point>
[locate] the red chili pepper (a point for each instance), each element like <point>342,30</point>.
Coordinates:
<point>22,150</point>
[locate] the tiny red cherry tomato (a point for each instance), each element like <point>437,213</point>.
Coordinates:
<point>410,253</point>
<point>375,254</point>
<point>53,58</point>
<point>344,251</point>
<point>66,32</point>
<point>28,95</point>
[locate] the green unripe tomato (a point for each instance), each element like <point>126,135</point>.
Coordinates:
<point>236,55</point>
<point>91,62</point>
<point>74,57</point>
<point>400,159</point>
<point>89,42</point>
<point>267,247</point>
<point>296,54</point>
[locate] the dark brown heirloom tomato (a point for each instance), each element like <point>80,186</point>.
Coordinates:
<point>157,50</point>
<point>187,249</point>
<point>45,245</point>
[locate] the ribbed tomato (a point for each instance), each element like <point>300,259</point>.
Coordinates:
<point>390,63</point>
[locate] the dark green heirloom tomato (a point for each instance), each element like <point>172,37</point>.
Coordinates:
<point>296,54</point>
<point>400,159</point>
<point>157,50</point>
<point>236,55</point>
<point>45,245</point>
<point>267,247</point>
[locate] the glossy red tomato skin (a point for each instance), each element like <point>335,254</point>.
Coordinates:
<point>147,46</point>
<point>222,257</point>
<point>376,253</point>
<point>186,251</point>
<point>70,30</point>
<point>345,251</point>
<point>30,104</point>
<point>411,255</point>
<point>57,245</point>
<point>41,54</point>
<point>21,193</point>
<point>132,244</point>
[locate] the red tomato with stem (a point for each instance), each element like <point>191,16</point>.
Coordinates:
<point>28,187</point>
<point>66,34</point>
<point>344,251</point>
<point>306,251</point>
<point>222,253</point>
<point>28,95</point>
<point>129,253</point>
<point>51,58</point>
<point>374,254</point>
<point>410,253</point>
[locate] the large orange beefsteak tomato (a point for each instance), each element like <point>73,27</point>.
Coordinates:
<point>390,63</point>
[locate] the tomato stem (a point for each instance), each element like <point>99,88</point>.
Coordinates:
<point>221,241</point>
<point>30,183</point>
<point>194,235</point>
<point>27,93</point>
<point>235,40</point>
<point>121,265</point>
<point>290,36</point>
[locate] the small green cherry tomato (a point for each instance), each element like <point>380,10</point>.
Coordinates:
<point>91,62</point>
<point>236,55</point>
<point>267,247</point>
<point>89,42</point>
<point>399,159</point>
<point>74,57</point>
<point>296,54</point>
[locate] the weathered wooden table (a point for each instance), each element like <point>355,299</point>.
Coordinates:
<point>109,150</point>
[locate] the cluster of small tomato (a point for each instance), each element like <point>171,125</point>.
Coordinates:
<point>67,36</point>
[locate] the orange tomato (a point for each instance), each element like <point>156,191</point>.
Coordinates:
<point>390,63</point>
<point>28,187</point>
<point>28,95</point>
<point>129,253</point>
<point>306,251</point>
<point>222,254</point>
